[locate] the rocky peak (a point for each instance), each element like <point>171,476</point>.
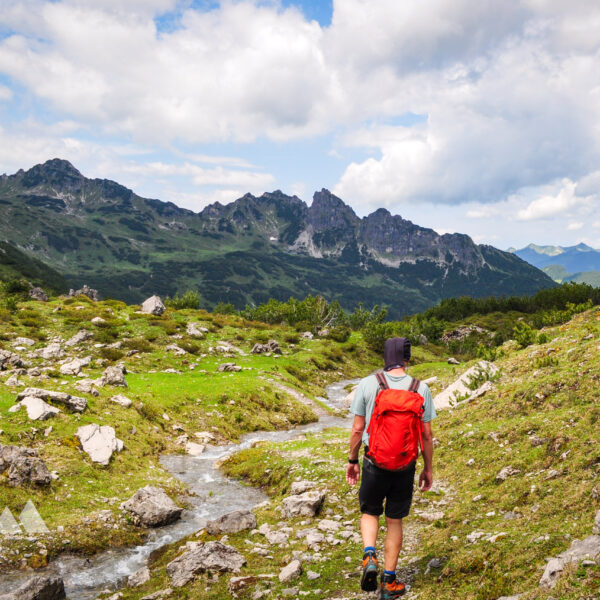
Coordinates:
<point>329,212</point>
<point>55,172</point>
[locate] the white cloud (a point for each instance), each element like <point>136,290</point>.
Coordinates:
<point>575,226</point>
<point>549,206</point>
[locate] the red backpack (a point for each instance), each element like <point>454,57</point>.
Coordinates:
<point>396,426</point>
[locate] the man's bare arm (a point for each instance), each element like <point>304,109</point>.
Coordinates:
<point>353,471</point>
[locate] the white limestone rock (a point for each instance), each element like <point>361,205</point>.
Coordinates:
<point>99,442</point>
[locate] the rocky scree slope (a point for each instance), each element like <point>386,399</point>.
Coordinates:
<point>255,248</point>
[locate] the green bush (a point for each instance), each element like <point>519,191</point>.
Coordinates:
<point>524,334</point>
<point>112,354</point>
<point>339,334</point>
<point>542,338</point>
<point>189,299</point>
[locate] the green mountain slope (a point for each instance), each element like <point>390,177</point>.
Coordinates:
<point>15,264</point>
<point>98,232</point>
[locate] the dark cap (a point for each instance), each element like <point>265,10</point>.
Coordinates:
<point>396,352</point>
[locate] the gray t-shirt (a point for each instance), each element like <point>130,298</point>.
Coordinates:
<point>368,388</point>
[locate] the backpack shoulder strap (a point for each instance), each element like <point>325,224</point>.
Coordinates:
<point>381,380</point>
<point>414,385</point>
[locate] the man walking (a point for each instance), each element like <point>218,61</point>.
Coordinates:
<point>389,466</point>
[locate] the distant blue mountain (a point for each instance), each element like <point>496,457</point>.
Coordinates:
<point>574,259</point>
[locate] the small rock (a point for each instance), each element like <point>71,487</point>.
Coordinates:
<point>307,335</point>
<point>23,341</point>
<point>194,330</point>
<point>232,522</point>
<point>122,400</point>
<point>506,472</point>
<point>37,293</point>
<point>98,321</point>
<point>99,442</point>
<point>453,361</point>
<point>194,449</point>
<point>85,290</point>
<point>306,504</point>
<point>153,306</point>
<point>139,577</point>
<point>299,487</point>
<point>596,529</point>
<point>312,575</point>
<point>22,465</point>
<point>74,403</point>
<point>589,548</point>
<point>52,351</point>
<point>113,376</point>
<point>175,349</point>
<point>151,507</point>
<point>37,409</point>
<point>81,336</point>
<point>291,571</point>
<point>229,367</point>
<point>38,588</point>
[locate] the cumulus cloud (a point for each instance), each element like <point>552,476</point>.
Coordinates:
<point>549,206</point>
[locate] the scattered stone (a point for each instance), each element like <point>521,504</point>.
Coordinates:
<point>460,333</point>
<point>158,595</point>
<point>151,507</point>
<point>99,442</point>
<point>74,367</point>
<point>37,409</point>
<point>328,525</point>
<point>229,366</point>
<point>139,577</point>
<point>153,306</point>
<point>232,522</point>
<point>10,360</point>
<point>515,597</point>
<point>299,487</point>
<point>507,472</point>
<point>306,504</point>
<point>291,571</point>
<point>453,361</point>
<point>37,293</point>
<point>212,556</point>
<point>122,400</point>
<point>51,351</point>
<point>175,349</point>
<point>589,548</point>
<point>307,335</point>
<point>87,387</point>
<point>113,376</point>
<point>312,575</point>
<point>194,330</point>
<point>239,584</point>
<point>85,291</point>
<point>430,380</point>
<point>33,372</point>
<point>194,449</point>
<point>74,403</point>
<point>271,346</point>
<point>23,465</point>
<point>23,341</point>
<point>38,588</point>
<point>13,381</point>
<point>98,321</point>
<point>277,537</point>
<point>83,335</point>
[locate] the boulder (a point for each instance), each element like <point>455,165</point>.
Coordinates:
<point>232,522</point>
<point>98,321</point>
<point>10,360</point>
<point>589,548</point>
<point>506,472</point>
<point>271,346</point>
<point>306,504</point>
<point>81,336</point>
<point>151,507</point>
<point>99,442</point>
<point>140,577</point>
<point>453,361</point>
<point>38,588</point>
<point>194,330</point>
<point>51,351</point>
<point>23,341</point>
<point>37,293</point>
<point>113,376</point>
<point>153,306</point>
<point>74,366</point>
<point>175,349</point>
<point>194,449</point>
<point>37,409</point>
<point>74,403</point>
<point>212,556</point>
<point>461,390</point>
<point>122,400</point>
<point>13,381</point>
<point>87,387</point>
<point>307,335</point>
<point>291,571</point>
<point>299,487</point>
<point>22,465</point>
<point>85,291</point>
<point>229,366</point>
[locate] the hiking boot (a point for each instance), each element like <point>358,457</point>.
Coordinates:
<point>368,581</point>
<point>392,589</point>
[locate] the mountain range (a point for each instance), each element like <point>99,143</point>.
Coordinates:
<point>580,263</point>
<point>98,232</point>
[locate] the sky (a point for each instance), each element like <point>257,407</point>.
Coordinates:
<point>472,116</point>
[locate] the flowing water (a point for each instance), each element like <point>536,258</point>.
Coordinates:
<point>214,495</point>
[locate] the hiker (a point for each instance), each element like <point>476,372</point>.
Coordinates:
<point>401,421</point>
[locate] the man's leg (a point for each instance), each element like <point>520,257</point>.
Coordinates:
<point>369,525</point>
<point>393,543</point>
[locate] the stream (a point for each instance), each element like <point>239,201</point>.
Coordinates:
<point>214,495</point>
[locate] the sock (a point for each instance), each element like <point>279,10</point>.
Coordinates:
<point>369,549</point>
<point>389,576</point>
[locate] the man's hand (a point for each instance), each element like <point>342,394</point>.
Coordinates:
<point>425,480</point>
<point>352,474</point>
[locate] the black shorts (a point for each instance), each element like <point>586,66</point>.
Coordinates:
<point>395,487</point>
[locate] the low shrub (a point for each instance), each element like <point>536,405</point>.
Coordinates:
<point>112,354</point>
